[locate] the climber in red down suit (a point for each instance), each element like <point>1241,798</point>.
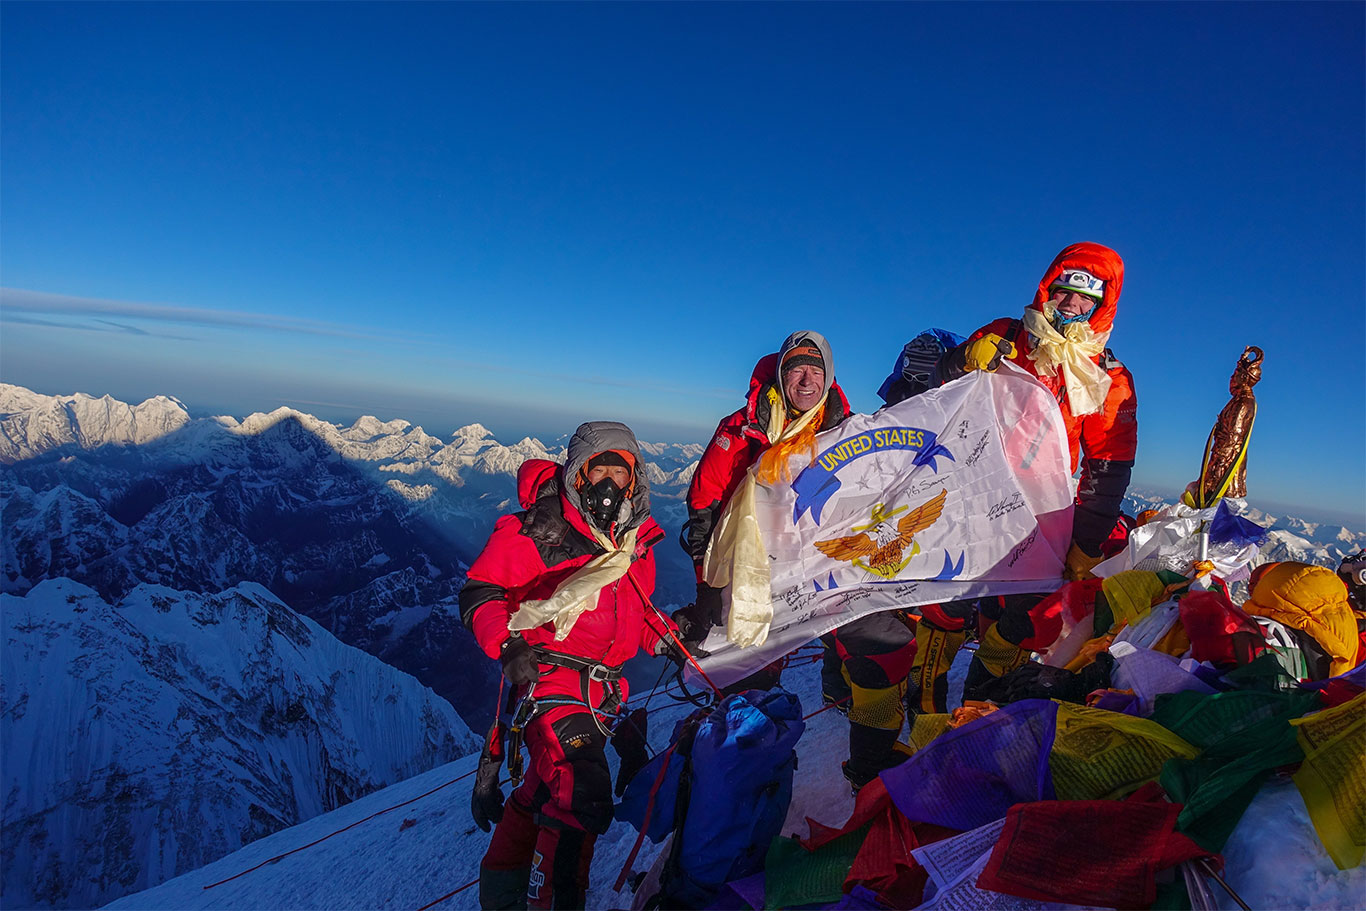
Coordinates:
<point>1062,339</point>
<point>560,596</point>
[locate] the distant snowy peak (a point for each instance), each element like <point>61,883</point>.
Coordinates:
<point>1283,545</point>
<point>471,435</point>
<point>259,422</point>
<point>368,427</point>
<point>507,459</point>
<point>1290,539</point>
<point>688,451</point>
<point>31,424</point>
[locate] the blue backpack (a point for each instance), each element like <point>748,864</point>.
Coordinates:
<point>738,759</point>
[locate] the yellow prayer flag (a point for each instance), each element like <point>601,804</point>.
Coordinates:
<point>1100,755</point>
<point>1131,594</point>
<point>1332,779</point>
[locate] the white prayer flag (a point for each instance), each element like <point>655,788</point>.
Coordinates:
<point>960,492</point>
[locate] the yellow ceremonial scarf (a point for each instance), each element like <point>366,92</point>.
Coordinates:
<point>736,555</point>
<point>1073,352</point>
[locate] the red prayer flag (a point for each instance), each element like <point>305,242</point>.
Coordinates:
<point>1087,852</point>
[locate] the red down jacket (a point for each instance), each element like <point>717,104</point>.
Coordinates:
<point>530,553</point>
<point>738,442</point>
<point>1104,443</point>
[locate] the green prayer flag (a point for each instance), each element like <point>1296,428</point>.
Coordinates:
<point>795,876</point>
<point>1244,735</point>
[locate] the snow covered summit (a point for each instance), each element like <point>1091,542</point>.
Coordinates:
<point>31,424</point>
<point>413,843</point>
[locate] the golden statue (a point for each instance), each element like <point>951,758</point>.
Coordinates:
<point>1224,470</point>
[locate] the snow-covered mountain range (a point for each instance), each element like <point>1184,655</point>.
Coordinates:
<point>366,529</point>
<point>147,737</point>
<point>152,564</point>
<point>1290,538</point>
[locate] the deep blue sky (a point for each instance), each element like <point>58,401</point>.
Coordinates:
<point>531,215</point>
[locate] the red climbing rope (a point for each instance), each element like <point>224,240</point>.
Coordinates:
<point>449,895</point>
<point>827,708</point>
<point>339,831</point>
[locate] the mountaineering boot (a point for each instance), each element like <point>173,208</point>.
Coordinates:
<point>871,750</point>
<point>855,779</point>
<point>995,657</point>
<point>559,867</point>
<point>506,867</point>
<point>927,689</point>
<point>503,890</point>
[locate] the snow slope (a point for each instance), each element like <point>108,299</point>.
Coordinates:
<point>412,855</point>
<point>149,737</point>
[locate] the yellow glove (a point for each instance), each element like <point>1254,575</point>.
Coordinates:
<point>986,352</point>
<point>1079,564</point>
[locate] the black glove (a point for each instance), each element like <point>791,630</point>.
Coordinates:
<point>629,742</point>
<point>678,652</point>
<point>486,801</point>
<point>519,662</point>
<point>696,620</point>
<point>709,604</point>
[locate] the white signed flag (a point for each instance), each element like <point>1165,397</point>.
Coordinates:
<point>960,492</point>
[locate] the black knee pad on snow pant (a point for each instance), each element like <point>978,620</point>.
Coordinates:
<point>866,644</point>
<point>874,634</point>
<point>585,760</point>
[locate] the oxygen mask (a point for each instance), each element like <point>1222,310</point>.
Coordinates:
<point>602,502</point>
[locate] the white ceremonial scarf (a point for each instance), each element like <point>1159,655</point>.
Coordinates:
<point>1072,351</point>
<point>580,591</point>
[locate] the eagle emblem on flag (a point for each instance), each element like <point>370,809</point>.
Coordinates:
<point>879,545</point>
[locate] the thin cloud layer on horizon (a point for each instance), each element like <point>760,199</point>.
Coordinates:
<point>14,302</point>
<point>44,302</point>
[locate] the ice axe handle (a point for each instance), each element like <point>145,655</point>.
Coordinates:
<point>1003,348</point>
